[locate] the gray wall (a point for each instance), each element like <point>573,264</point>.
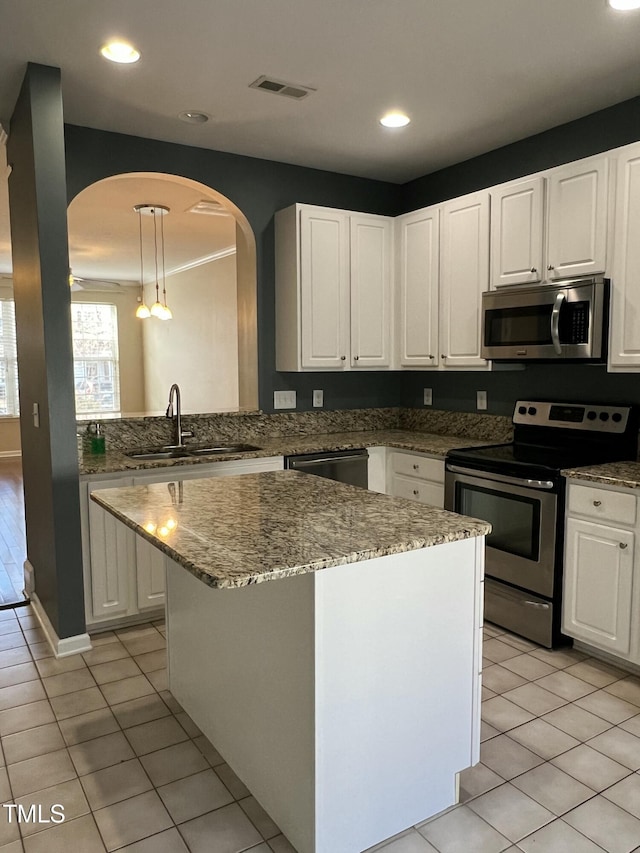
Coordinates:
<point>259,188</point>
<point>601,131</point>
<point>37,196</point>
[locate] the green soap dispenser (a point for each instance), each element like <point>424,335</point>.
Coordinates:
<point>97,439</point>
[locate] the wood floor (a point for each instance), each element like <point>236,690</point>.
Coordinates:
<point>13,549</point>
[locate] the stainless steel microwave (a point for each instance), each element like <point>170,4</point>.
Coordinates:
<point>549,321</point>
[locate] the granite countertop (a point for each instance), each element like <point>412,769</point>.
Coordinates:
<point>289,445</point>
<point>625,474</point>
<point>235,531</point>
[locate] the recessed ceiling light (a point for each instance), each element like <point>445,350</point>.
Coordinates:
<point>120,51</point>
<point>193,117</point>
<point>624,5</point>
<point>395,119</point>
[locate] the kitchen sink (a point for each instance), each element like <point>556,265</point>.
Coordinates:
<point>221,448</point>
<point>158,454</point>
<point>184,453</point>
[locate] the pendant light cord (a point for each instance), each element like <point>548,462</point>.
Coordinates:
<point>141,257</point>
<point>155,240</point>
<point>164,283</point>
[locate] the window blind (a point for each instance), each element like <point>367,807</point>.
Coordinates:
<point>9,402</point>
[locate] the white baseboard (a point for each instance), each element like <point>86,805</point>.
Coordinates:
<point>66,646</point>
<point>29,584</point>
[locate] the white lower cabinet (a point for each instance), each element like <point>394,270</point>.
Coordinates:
<point>124,576</point>
<point>415,476</point>
<point>109,549</point>
<point>601,605</point>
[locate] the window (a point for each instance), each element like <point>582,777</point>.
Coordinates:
<point>95,358</point>
<point>9,405</point>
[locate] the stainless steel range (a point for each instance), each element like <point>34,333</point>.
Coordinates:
<point>518,488</point>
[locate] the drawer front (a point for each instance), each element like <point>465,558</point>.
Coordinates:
<point>602,504</point>
<point>411,465</point>
<point>417,490</point>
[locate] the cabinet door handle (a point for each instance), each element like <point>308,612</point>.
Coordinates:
<point>343,358</point>
<point>442,355</point>
<point>416,492</point>
<point>623,545</point>
<point>550,267</point>
<point>597,503</point>
<point>533,269</point>
<point>429,356</point>
<point>356,358</point>
<point>416,467</point>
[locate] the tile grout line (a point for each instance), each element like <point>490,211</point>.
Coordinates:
<point>122,730</point>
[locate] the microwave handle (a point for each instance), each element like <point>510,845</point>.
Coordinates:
<point>555,322</point>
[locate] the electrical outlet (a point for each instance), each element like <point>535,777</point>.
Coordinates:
<point>481,400</point>
<point>428,397</point>
<point>284,399</point>
<point>318,399</point>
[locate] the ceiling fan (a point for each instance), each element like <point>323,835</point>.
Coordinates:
<point>77,282</point>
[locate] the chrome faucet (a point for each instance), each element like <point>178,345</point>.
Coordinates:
<point>178,434</point>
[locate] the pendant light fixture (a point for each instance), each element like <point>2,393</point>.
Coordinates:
<point>143,309</point>
<point>158,309</point>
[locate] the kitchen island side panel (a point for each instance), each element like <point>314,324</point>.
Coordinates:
<point>241,664</point>
<point>395,669</point>
<point>342,698</point>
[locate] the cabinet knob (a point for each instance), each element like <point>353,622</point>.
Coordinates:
<point>623,545</point>
<point>343,358</point>
<point>356,358</point>
<point>533,269</point>
<point>550,267</point>
<point>597,503</point>
<point>430,356</point>
<point>442,355</point>
<point>416,467</point>
<point>416,492</point>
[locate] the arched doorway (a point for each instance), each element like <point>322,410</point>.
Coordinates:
<point>210,347</point>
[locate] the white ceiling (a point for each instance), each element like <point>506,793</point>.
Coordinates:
<point>104,231</point>
<point>473,74</point>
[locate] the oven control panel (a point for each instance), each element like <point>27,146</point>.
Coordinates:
<point>585,416</point>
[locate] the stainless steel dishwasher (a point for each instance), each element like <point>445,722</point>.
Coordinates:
<point>345,466</point>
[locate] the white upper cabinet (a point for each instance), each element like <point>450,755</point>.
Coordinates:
<point>516,232</point>
<point>577,219</point>
<point>371,245</point>
<point>418,256</point>
<point>333,289</point>
<point>464,275</point>
<point>624,346</point>
<point>576,225</point>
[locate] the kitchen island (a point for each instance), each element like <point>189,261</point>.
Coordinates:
<point>346,695</point>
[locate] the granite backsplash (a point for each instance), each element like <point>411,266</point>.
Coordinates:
<point>127,433</point>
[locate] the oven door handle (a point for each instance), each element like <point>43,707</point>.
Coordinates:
<point>501,478</point>
<point>555,322</point>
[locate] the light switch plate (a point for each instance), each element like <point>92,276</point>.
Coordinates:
<point>481,400</point>
<point>428,397</point>
<point>284,399</point>
<point>318,399</point>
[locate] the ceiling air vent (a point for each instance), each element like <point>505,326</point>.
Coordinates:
<point>279,87</point>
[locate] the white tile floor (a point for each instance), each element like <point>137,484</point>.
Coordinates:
<point>100,734</point>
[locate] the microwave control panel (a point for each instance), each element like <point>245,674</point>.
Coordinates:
<point>574,323</point>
